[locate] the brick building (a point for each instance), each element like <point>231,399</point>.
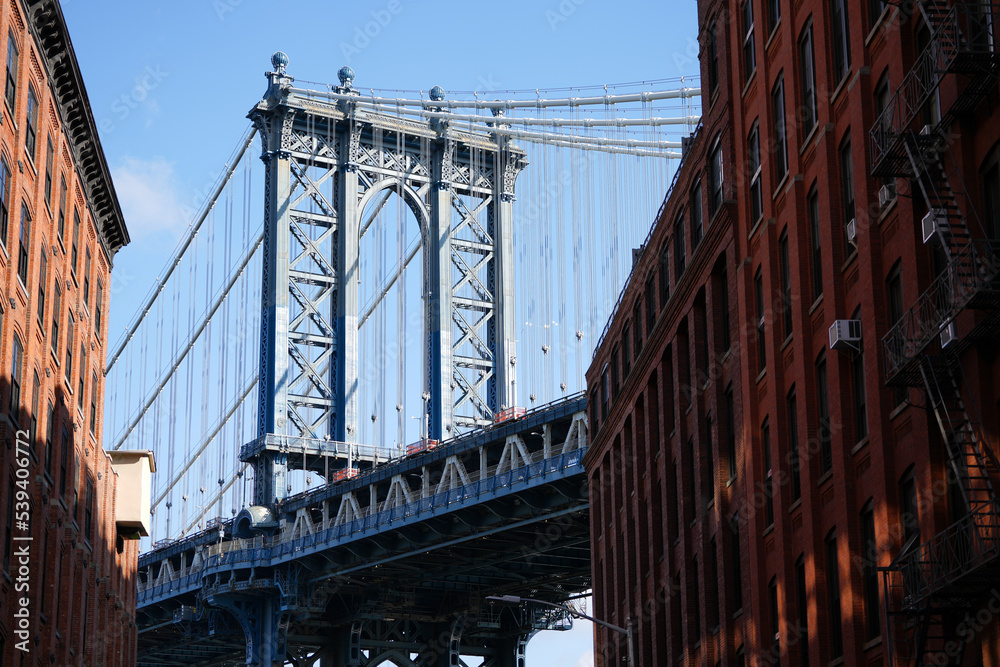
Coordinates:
<point>60,227</point>
<point>750,469</point>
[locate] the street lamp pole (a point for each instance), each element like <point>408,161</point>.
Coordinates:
<point>627,630</point>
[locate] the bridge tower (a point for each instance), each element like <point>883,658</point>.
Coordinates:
<point>326,161</point>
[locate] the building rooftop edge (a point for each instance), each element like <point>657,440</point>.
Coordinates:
<point>48,26</point>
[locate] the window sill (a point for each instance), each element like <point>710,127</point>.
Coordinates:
<point>761,375</point>
<point>781,185</point>
<point>768,530</point>
<point>730,481</point>
<point>850,260</point>
<point>861,445</point>
<point>750,82</point>
<point>807,140</point>
<point>795,505</point>
<point>771,35</point>
<point>877,24</point>
<point>825,477</point>
<point>788,341</point>
<point>816,304</point>
<point>840,86</point>
<point>896,411</point>
<point>872,643</point>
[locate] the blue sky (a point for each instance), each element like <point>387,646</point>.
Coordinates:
<point>170,85</point>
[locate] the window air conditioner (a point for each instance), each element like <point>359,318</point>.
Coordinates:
<point>886,194</point>
<point>949,335</point>
<point>852,232</point>
<point>933,223</point>
<point>845,334</point>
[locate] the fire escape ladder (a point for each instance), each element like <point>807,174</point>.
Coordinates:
<point>970,457</point>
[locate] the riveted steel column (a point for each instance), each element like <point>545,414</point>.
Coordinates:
<point>504,318</point>
<point>270,482</point>
<point>348,273</point>
<point>437,249</point>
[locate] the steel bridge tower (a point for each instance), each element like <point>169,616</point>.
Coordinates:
<point>326,161</point>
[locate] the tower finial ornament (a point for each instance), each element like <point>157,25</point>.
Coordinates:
<point>346,76</point>
<point>279,61</point>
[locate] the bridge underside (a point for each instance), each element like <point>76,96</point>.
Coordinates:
<point>406,584</point>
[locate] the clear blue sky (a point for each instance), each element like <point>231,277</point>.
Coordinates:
<point>170,85</point>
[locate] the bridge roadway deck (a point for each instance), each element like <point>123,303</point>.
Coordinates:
<point>424,539</point>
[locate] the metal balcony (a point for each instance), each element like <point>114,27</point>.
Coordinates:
<point>962,43</point>
<point>968,279</point>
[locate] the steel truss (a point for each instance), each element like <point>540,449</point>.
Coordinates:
<point>325,162</point>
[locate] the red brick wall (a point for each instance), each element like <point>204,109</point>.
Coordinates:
<point>68,566</point>
<point>633,576</point>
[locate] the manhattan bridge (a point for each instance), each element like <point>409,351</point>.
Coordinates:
<point>361,371</point>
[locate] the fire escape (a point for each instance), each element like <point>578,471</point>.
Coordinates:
<point>930,589</point>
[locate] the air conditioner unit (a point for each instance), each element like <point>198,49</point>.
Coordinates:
<point>949,335</point>
<point>845,335</point>
<point>852,232</point>
<point>886,194</point>
<point>934,222</point>
<point>927,130</point>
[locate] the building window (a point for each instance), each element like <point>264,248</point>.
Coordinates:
<point>93,404</point>
<point>758,283</point>
<point>33,424</point>
<point>773,14</point>
<point>69,350</point>
<point>61,229</point>
<point>626,357</point>
<point>31,124</point>
<point>713,585</point>
<point>74,252</point>
<point>847,183</point>
<point>680,259</point>
<point>749,57</point>
<point>696,596</point>
<point>858,389</point>
<point>723,285</point>
<point>4,200</point>
<point>689,479</point>
<point>869,573</point>
<point>56,306</point>
<point>650,304</point>
<point>841,40</point>
<point>780,142</point>
<point>43,270</point>
<point>833,596</point>
<point>8,543</point>
<point>731,431</point>
<point>64,461</point>
<point>80,379</point>
<point>753,168</point>
<point>98,308</point>
<point>665,274</point>
<point>815,244</point>
<point>715,175</point>
<point>786,284</point>
<point>12,63</point>
<point>605,394</point>
<point>794,463</point>
<point>24,242</point>
<point>637,329</point>
<point>674,517</point>
<point>802,608</point>
<point>696,216</point>
<point>737,556</point>
<point>16,366</point>
<point>807,62</point>
<point>823,401</point>
<point>88,513</point>
<point>765,445</point>
<point>875,9</point>
<point>48,174</point>
<point>713,59</point>
<point>909,511</point>
<point>615,385</point>
<point>86,280</point>
<point>50,421</point>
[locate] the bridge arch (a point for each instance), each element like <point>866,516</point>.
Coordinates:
<point>408,194</point>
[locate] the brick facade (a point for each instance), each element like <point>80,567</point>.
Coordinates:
<point>739,565</point>
<point>63,227</point>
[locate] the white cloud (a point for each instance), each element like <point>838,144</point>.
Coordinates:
<point>148,196</point>
<point>585,660</point>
